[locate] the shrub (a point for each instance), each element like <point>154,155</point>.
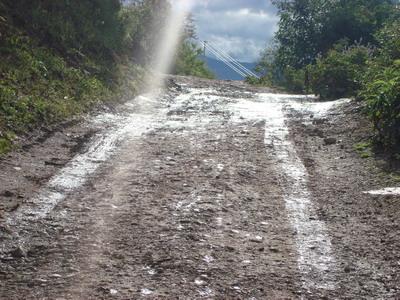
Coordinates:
<point>381,87</point>
<point>295,80</point>
<point>37,87</point>
<point>389,42</point>
<point>382,94</point>
<point>339,73</point>
<point>188,62</point>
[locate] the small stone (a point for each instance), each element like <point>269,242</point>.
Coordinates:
<point>5,228</point>
<point>7,194</point>
<point>259,123</point>
<point>113,292</point>
<point>347,269</point>
<point>330,141</point>
<point>18,252</point>
<point>146,292</point>
<point>274,250</point>
<point>256,239</point>
<point>199,281</point>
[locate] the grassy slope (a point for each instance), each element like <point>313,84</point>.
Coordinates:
<point>39,87</point>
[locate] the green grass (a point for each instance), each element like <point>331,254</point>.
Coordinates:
<point>395,177</point>
<point>5,146</point>
<point>365,154</point>
<point>364,149</point>
<point>39,87</point>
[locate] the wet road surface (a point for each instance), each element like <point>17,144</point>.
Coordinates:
<point>211,191</point>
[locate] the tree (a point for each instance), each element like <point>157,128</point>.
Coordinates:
<point>310,28</point>
<point>301,26</point>
<point>143,22</point>
<point>187,61</point>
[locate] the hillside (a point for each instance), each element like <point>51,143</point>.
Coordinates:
<point>58,60</point>
<point>222,71</point>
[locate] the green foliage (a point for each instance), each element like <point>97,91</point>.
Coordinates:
<point>389,42</point>
<point>38,88</point>
<point>300,29</point>
<point>59,58</point>
<point>339,73</point>
<point>142,22</point>
<point>381,87</point>
<point>253,80</point>
<point>6,142</point>
<point>310,28</point>
<point>188,62</point>
<point>339,49</point>
<point>85,26</point>
<point>396,177</point>
<point>364,149</point>
<point>382,94</point>
<point>294,79</point>
<point>273,74</point>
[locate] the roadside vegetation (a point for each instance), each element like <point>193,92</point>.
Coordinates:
<point>335,49</point>
<point>187,60</point>
<point>60,58</point>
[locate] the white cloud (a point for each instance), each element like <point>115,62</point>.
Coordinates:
<point>240,27</point>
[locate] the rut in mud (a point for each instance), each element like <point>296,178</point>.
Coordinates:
<point>213,191</point>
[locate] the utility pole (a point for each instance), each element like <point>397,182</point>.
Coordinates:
<point>205,48</point>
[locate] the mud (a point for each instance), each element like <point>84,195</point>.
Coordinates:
<point>216,190</point>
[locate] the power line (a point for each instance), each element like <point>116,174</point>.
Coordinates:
<point>241,73</point>
<point>230,59</point>
<point>227,63</point>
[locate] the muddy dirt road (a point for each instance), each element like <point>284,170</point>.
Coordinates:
<point>213,191</point>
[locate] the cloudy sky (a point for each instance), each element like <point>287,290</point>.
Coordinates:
<point>240,27</point>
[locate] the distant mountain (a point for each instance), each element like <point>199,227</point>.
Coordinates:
<point>222,71</point>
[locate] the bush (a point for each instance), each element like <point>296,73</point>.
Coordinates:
<point>389,42</point>
<point>143,23</point>
<point>188,62</point>
<point>382,94</point>
<point>90,26</point>
<point>339,73</point>
<point>381,87</point>
<point>295,80</point>
<point>37,87</point>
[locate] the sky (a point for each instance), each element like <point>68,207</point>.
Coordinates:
<point>242,28</point>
